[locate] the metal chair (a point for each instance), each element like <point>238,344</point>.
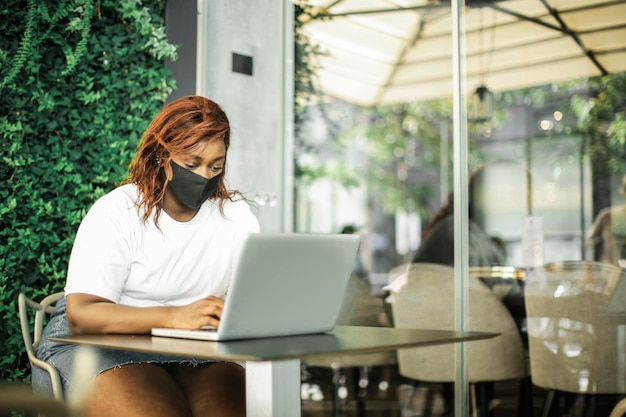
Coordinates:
<point>423,298</point>
<point>41,311</point>
<point>576,326</point>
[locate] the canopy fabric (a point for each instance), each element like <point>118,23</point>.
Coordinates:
<point>391,51</point>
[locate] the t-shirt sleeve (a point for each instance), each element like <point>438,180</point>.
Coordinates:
<point>247,223</point>
<point>241,213</point>
<point>100,259</point>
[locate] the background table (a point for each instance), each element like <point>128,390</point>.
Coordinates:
<point>273,364</point>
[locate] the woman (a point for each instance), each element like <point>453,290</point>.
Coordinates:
<point>157,251</point>
<point>438,237</point>
<point>608,232</point>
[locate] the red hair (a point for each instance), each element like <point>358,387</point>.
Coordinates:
<point>178,127</point>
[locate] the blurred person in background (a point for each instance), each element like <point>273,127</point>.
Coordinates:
<point>608,233</point>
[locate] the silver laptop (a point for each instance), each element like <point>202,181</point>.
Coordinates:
<point>285,284</point>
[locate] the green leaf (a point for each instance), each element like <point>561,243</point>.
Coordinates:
<point>68,129</point>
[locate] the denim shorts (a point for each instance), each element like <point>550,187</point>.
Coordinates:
<point>62,356</point>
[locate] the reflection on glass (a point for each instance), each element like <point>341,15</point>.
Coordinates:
<point>575,313</point>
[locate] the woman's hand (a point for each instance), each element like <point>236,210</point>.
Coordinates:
<point>204,312</point>
<point>89,314</point>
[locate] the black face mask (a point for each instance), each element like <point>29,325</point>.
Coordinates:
<point>189,188</point>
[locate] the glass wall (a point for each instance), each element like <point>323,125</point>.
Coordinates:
<point>542,159</point>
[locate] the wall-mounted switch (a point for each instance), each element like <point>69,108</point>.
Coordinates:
<point>242,64</point>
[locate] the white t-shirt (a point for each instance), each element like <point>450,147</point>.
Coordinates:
<point>119,257</point>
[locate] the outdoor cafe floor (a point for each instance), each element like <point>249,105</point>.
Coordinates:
<point>388,395</point>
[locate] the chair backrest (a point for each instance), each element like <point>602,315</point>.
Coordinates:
<point>575,344</point>
<point>362,308</point>
<point>41,311</point>
<point>423,298</point>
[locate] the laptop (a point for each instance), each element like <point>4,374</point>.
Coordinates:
<point>284,284</point>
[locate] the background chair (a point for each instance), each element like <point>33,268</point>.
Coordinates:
<point>577,344</point>
<point>620,409</point>
<point>360,308</point>
<point>41,311</point>
<point>507,283</point>
<point>423,298</point>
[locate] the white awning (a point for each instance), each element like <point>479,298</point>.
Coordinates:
<point>387,51</point>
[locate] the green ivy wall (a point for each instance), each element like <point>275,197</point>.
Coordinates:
<point>79,82</point>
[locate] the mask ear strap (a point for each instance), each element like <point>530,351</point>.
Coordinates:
<point>169,174</point>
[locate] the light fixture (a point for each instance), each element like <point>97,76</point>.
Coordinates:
<point>481,105</point>
<point>482,100</point>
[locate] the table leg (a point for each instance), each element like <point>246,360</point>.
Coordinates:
<point>273,389</point>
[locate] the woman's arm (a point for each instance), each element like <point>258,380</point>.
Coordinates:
<point>90,314</point>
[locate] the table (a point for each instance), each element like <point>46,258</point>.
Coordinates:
<point>503,272</point>
<point>273,364</point>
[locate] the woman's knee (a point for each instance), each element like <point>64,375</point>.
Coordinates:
<point>137,390</point>
<point>216,389</point>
